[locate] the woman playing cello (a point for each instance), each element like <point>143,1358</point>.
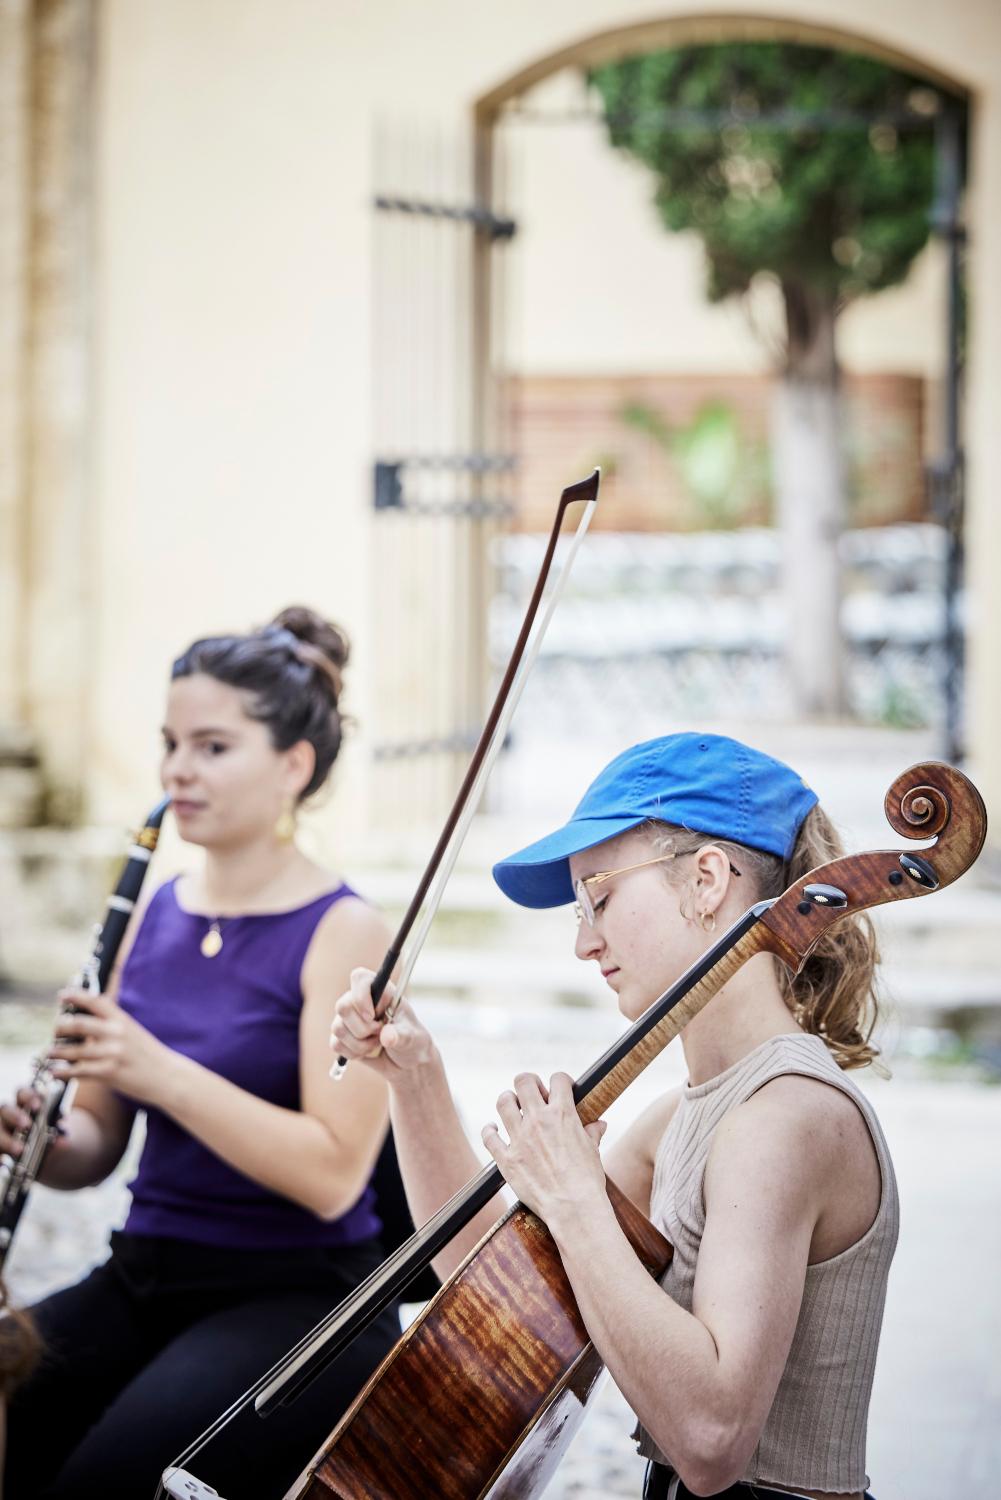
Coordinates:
<point>768,1171</point>
<point>250,1214</point>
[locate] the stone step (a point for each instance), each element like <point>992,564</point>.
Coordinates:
<point>54,883</point>
<point>921,994</point>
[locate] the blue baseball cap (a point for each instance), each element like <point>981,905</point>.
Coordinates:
<point>704,782</point>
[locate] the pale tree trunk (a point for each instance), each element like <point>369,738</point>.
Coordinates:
<point>809,481</point>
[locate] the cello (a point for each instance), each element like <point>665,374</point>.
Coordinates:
<point>482,1394</point>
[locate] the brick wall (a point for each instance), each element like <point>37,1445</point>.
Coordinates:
<point>670,466</point>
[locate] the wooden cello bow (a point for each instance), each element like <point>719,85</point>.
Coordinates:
<point>176,1480</point>
<point>482,1394</point>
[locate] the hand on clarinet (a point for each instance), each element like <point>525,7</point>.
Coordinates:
<point>16,1118</point>
<point>388,1047</point>
<point>97,1040</point>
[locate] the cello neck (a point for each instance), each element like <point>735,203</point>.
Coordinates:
<point>594,1091</point>
<point>661,1022</point>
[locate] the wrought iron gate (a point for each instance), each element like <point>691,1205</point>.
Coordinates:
<point>442,472</point>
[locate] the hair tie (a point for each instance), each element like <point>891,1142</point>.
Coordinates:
<point>311,656</point>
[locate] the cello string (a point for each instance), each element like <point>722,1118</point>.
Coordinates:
<point>623,1060</point>
<point>358,1309</point>
<point>415,1246</point>
<point>368,1299</point>
<point>292,1370</point>
<point>699,972</point>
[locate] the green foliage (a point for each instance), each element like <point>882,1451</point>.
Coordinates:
<point>901,708</point>
<point>840,207</point>
<point>723,473</point>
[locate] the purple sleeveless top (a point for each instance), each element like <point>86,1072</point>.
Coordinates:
<point>238,1014</point>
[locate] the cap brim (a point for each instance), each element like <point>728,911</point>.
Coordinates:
<point>539,875</point>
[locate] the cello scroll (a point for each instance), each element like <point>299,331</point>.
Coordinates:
<point>929,800</point>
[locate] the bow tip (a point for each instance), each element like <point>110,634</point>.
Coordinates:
<point>584,489</point>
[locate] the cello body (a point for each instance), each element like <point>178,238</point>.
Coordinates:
<point>483,1393</point>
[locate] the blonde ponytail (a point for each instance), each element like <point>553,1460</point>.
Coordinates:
<point>834,994</point>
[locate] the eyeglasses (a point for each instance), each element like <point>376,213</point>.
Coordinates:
<point>584,907</point>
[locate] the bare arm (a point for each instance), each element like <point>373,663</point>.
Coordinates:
<point>97,1127</point>
<point>91,1142</point>
<point>96,1133</point>
<point>701,1382</point>
<point>320,1156</point>
<point>435,1156</point>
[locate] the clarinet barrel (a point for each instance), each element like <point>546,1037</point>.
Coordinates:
<point>18,1174</point>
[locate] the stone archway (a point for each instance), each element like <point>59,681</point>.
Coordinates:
<point>691,30</point>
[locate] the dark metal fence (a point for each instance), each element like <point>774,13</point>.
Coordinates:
<point>441,480</point>
<point>688,626</point>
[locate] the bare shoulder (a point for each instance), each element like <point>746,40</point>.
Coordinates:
<point>819,1109</point>
<point>350,935</point>
<point>352,916</point>
<point>806,1144</point>
<point>795,1115</point>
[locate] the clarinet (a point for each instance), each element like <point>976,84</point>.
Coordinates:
<point>18,1174</point>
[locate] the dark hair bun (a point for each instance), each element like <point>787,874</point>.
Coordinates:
<point>291,673</point>
<point>322,643</point>
<point>315,631</point>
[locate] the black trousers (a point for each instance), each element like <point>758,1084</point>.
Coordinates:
<point>155,1344</point>
<point>658,1487</point>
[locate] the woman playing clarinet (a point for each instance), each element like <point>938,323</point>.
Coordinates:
<point>750,1365</point>
<point>251,1214</point>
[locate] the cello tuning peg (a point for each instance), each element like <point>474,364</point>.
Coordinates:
<point>823,895</point>
<point>920,871</point>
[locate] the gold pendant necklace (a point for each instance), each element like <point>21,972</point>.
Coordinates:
<point>211,943</point>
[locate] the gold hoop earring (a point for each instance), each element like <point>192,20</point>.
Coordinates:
<point>708,921</point>
<point>285,826</point>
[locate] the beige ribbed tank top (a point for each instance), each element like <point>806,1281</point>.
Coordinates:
<point>814,1437</point>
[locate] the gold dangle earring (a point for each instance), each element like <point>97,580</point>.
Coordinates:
<point>285,826</point>
<point>707,920</point>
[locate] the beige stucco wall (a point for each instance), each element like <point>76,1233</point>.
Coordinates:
<point>232,367</point>
<point>232,248</point>
<point>636,301</point>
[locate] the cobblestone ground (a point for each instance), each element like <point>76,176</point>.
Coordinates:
<point>934,1430</point>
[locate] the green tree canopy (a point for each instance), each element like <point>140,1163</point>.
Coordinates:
<point>805,163</point>
<point>840,207</point>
